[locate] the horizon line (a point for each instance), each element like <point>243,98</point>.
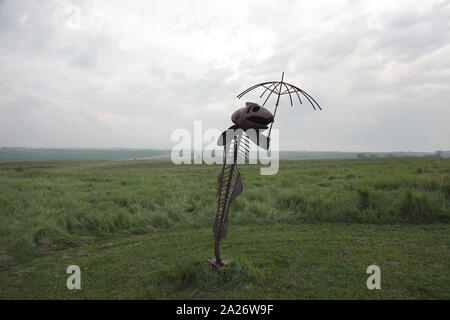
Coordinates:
<point>168,149</point>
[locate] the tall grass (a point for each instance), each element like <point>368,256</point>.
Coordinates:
<point>48,205</point>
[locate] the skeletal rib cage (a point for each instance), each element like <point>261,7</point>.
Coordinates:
<point>230,184</point>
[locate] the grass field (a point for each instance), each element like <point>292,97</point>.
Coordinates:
<point>143,230</point>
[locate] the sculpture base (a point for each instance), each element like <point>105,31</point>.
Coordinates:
<point>225,262</point>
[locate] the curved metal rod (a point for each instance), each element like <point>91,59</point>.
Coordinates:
<point>271,93</point>
<point>290,97</point>
<point>312,99</point>
<point>275,85</point>
<point>308,99</point>
<point>253,87</point>
<point>306,94</point>
<point>247,90</point>
<point>296,92</point>
<point>267,88</point>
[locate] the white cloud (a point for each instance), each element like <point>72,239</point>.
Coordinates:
<point>127,73</point>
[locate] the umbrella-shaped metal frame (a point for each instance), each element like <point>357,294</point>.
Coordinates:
<point>280,88</point>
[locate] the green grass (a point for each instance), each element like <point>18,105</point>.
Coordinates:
<point>318,213</point>
<point>311,261</point>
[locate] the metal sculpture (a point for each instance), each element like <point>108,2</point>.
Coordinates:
<point>249,122</point>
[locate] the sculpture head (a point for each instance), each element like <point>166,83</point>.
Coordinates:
<point>252,116</point>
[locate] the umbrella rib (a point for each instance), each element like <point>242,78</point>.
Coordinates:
<point>247,90</point>
<point>290,97</point>
<point>267,88</point>
<point>296,92</point>
<point>240,95</point>
<point>276,87</point>
<point>285,91</point>
<point>271,91</point>
<point>312,99</point>
<point>303,93</point>
<point>307,96</point>
<point>293,91</point>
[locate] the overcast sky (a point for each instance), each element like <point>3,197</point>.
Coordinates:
<point>127,73</point>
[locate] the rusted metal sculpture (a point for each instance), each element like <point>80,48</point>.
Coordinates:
<point>236,147</point>
<point>249,122</point>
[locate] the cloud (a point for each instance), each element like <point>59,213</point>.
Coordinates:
<point>112,118</point>
<point>127,73</point>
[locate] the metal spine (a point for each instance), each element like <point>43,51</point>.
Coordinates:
<point>229,186</point>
